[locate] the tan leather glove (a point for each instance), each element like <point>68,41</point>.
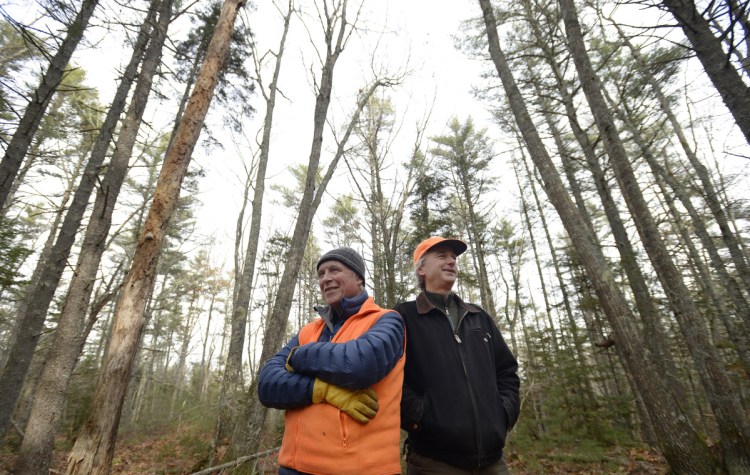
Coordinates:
<point>360,405</point>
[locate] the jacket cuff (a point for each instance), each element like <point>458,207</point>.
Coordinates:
<point>288,364</point>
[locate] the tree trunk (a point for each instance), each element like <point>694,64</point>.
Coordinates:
<point>730,417</point>
<point>231,383</point>
<point>186,333</point>
<point>36,449</point>
<point>21,141</point>
<point>708,191</point>
<point>95,445</point>
<point>682,447</point>
<point>716,63</point>
<point>33,309</point>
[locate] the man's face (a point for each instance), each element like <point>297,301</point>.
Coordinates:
<point>439,270</point>
<point>337,281</point>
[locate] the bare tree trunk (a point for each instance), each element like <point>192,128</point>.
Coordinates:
<point>36,449</point>
<point>730,416</point>
<point>206,364</point>
<point>95,445</point>
<point>21,141</point>
<point>33,308</point>
<point>708,191</point>
<point>186,333</point>
<point>532,240</point>
<point>716,63</point>
<point>231,383</point>
<point>681,445</point>
<point>477,241</point>
<point>737,332</point>
<point>386,212</point>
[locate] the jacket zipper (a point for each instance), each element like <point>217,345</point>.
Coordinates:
<point>468,385</point>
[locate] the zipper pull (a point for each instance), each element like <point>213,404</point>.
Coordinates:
<point>455,335</point>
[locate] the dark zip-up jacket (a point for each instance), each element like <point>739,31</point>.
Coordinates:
<point>460,394</point>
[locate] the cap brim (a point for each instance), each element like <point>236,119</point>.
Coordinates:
<point>458,246</point>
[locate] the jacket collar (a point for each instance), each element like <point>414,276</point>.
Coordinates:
<point>424,305</point>
<point>349,306</point>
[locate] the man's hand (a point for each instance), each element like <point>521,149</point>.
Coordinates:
<point>360,405</point>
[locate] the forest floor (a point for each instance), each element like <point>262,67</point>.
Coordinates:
<point>165,453</point>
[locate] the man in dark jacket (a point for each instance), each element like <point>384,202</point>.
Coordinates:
<point>340,379</point>
<point>460,394</point>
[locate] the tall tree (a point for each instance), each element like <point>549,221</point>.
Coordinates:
<point>33,309</point>
<point>383,199</point>
<point>40,99</point>
<point>680,444</point>
<point>94,447</point>
<point>731,419</point>
<point>231,383</point>
<point>466,155</point>
<point>716,63</point>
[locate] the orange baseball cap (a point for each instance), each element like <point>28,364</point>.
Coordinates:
<point>457,245</point>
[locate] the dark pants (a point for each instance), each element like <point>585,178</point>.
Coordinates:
<point>420,465</point>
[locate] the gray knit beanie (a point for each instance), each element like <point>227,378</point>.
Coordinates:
<point>347,256</point>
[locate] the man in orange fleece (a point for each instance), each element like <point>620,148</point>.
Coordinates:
<point>340,380</point>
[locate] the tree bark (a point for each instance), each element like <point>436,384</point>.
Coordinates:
<point>95,445</point>
<point>730,416</point>
<point>682,447</point>
<point>21,141</point>
<point>231,383</point>
<point>716,63</point>
<point>33,309</point>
